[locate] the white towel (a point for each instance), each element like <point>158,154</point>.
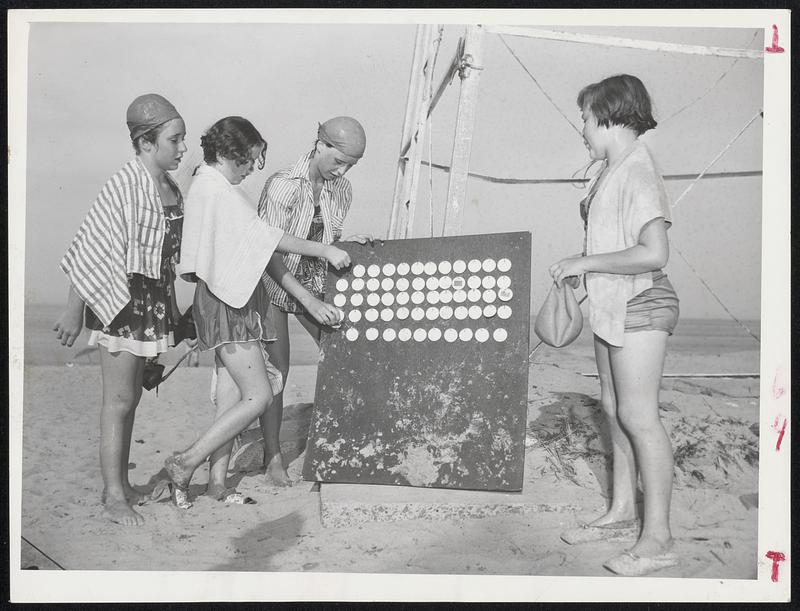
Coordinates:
<point>224,241</point>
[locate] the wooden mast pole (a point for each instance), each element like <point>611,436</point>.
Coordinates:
<point>469,73</point>
<point>414,128</point>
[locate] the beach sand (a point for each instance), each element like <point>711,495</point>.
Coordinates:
<point>712,425</point>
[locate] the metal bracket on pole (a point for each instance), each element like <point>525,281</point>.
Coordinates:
<point>469,71</point>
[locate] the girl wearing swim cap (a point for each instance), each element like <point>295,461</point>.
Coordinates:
<point>309,199</point>
<point>121,267</point>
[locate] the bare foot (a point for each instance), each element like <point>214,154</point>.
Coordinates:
<point>276,473</point>
<point>134,496</point>
<point>648,547</point>
<point>118,510</point>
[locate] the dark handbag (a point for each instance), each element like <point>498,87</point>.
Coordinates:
<point>153,372</point>
<point>184,327</point>
<point>559,321</point>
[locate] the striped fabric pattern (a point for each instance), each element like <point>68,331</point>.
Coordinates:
<point>122,234</point>
<point>287,202</point>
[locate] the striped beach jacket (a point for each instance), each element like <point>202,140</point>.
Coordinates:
<point>287,202</point>
<point>122,234</point>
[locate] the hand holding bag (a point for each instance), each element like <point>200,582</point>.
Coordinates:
<point>559,321</point>
<point>184,329</point>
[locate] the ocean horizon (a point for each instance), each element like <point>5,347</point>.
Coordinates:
<point>693,336</point>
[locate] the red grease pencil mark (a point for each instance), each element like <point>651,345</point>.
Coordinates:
<point>778,389</point>
<point>776,557</point>
<point>780,432</point>
<point>775,48</point>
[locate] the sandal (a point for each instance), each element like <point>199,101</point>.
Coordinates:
<point>178,495</point>
<point>634,565</point>
<point>179,492</point>
<point>231,496</point>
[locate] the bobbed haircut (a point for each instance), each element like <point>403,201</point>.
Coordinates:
<point>232,138</point>
<point>619,100</point>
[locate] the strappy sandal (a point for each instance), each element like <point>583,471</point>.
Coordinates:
<point>179,493</point>
<point>231,496</point>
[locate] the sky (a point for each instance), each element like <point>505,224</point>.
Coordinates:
<point>286,78</point>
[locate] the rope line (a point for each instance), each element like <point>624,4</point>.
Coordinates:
<point>544,181</point>
<point>533,78</point>
<point>43,553</point>
<point>710,89</point>
<point>713,294</point>
<point>695,178</point>
<point>760,113</point>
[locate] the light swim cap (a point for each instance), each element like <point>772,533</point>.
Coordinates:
<point>147,112</point>
<point>345,134</point>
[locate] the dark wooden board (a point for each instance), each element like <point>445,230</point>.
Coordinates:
<point>430,413</point>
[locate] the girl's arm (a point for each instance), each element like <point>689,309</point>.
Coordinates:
<point>322,312</point>
<point>277,206</point>
<point>69,325</point>
<point>336,256</point>
<point>651,253</point>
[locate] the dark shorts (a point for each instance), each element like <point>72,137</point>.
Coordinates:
<point>656,309</point>
<point>218,323</point>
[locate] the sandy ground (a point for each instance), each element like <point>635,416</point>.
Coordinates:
<point>712,424</point>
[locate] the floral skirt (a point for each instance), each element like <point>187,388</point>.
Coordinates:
<point>144,326</point>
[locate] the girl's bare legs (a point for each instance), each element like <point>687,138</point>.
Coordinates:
<point>245,364</point>
<point>227,394</point>
<point>132,494</point>
<point>279,352</point>
<point>637,369</point>
<point>122,389</point>
<point>623,503</point>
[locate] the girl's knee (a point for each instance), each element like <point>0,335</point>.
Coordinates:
<point>638,419</point>
<point>258,400</point>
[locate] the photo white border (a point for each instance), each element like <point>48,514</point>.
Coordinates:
<point>774,525</point>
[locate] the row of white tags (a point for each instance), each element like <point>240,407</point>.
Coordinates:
<point>433,334</point>
<point>430,268</point>
<point>431,313</point>
<point>434,290</point>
